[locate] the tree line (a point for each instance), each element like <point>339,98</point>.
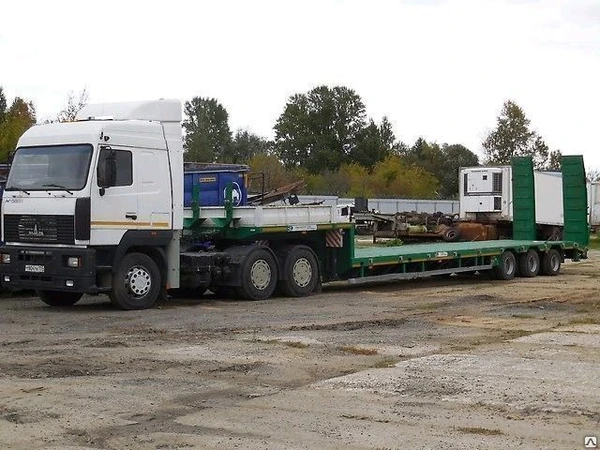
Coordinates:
<point>325,138</point>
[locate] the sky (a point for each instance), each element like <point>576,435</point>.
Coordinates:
<point>438,69</point>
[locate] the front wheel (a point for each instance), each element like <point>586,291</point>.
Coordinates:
<point>258,275</point>
<point>57,298</point>
<point>137,282</point>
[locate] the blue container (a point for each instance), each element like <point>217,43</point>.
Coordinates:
<point>212,180</point>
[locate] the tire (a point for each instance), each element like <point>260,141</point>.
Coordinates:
<point>258,274</point>
<point>551,262</point>
<point>451,234</point>
<point>58,298</point>
<point>507,267</point>
<point>136,283</point>
<point>529,264</point>
<point>300,272</point>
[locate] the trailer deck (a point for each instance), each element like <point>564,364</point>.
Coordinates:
<point>450,250</point>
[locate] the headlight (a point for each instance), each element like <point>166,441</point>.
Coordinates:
<point>5,258</point>
<point>74,261</point>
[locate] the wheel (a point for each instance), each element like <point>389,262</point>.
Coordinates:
<point>300,272</point>
<point>58,298</point>
<point>529,264</point>
<point>187,292</point>
<point>507,267</point>
<point>258,275</point>
<point>451,234</point>
<point>137,282</point>
<point>551,262</point>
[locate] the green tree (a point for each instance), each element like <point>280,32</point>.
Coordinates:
<point>374,144</point>
<point>320,129</point>
<point>3,105</point>
<point>392,177</point>
<point>19,117</point>
<point>554,160</point>
<point>455,156</point>
<point>513,137</point>
<point>207,133</point>
<point>272,169</point>
<point>244,146</point>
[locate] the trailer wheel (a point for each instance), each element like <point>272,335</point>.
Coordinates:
<point>137,282</point>
<point>258,275</point>
<point>301,272</point>
<point>57,298</point>
<point>507,267</point>
<point>551,262</point>
<point>529,264</point>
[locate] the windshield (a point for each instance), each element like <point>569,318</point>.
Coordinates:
<point>50,168</point>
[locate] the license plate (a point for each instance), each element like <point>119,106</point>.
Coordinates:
<point>37,268</point>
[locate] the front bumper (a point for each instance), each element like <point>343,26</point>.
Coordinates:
<point>38,267</point>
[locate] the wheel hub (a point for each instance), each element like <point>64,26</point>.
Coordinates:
<point>138,281</point>
<point>302,272</point>
<point>260,274</point>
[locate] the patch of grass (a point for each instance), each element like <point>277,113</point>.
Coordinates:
<point>588,307</point>
<point>584,321</point>
<point>385,363</point>
<point>359,350</point>
<point>514,334</point>
<point>295,344</point>
<point>480,430</point>
<point>594,242</point>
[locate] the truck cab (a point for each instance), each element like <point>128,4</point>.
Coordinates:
<point>83,197</point>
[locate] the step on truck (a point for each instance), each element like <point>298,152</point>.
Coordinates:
<point>100,206</point>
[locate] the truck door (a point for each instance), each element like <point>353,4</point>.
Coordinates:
<point>114,202</point>
<point>154,189</point>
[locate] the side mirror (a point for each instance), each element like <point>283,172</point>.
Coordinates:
<point>107,168</point>
<point>11,156</point>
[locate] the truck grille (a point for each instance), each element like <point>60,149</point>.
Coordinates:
<point>39,229</point>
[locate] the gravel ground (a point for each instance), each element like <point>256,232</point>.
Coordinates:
<point>459,363</point>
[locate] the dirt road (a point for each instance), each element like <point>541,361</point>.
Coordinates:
<point>453,363</point>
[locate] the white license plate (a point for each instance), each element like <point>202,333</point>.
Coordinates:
<point>37,268</point>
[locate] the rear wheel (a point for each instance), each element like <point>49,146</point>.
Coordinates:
<point>57,298</point>
<point>258,275</point>
<point>551,262</point>
<point>301,272</point>
<point>507,267</point>
<point>137,282</point>
<point>529,264</point>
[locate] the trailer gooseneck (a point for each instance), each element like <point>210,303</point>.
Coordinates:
<point>97,206</point>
